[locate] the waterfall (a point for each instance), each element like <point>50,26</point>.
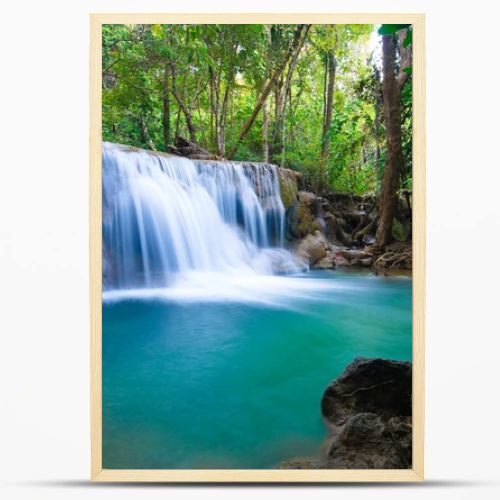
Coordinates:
<point>165,216</point>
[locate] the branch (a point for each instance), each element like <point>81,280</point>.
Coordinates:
<point>268,86</point>
<point>182,105</point>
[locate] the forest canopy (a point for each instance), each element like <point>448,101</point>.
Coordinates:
<point>305,97</point>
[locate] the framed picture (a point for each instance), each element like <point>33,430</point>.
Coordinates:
<point>257,247</point>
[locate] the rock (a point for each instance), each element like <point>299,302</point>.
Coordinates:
<point>327,262</point>
<point>284,263</point>
<point>331,226</point>
<point>289,186</point>
<point>353,257</point>
<point>313,247</point>
<point>308,199</point>
<point>345,219</point>
<point>369,442</point>
<point>304,463</point>
<point>345,257</point>
<point>340,260</point>
<point>366,262</point>
<point>369,385</point>
<point>312,213</point>
<point>355,254</point>
<point>368,409</point>
<point>301,217</point>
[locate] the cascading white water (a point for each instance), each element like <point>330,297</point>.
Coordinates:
<point>165,216</point>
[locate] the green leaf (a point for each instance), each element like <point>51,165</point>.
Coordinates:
<point>157,31</point>
<point>166,51</point>
<point>408,70</point>
<point>409,38</point>
<point>389,29</point>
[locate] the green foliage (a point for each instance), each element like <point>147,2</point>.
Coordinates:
<point>408,39</point>
<point>226,66</point>
<point>390,29</point>
<point>401,230</point>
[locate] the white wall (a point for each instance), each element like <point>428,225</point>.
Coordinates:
<point>44,440</point>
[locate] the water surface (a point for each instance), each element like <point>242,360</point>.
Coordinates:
<point>193,380</point>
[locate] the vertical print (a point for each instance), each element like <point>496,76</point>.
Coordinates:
<point>257,201</point>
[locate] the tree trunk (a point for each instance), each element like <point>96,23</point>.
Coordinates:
<point>166,110</point>
<point>265,132</point>
<point>178,122</point>
<point>211,128</point>
<point>283,136</point>
<point>182,105</point>
<point>327,121</point>
<point>278,120</point>
<point>329,87</point>
<point>268,87</point>
<point>145,137</point>
<point>224,111</point>
<point>376,124</point>
<point>392,115</point>
<point>216,109</point>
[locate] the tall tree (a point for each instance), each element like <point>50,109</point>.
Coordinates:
<point>165,119</point>
<point>391,87</point>
<point>327,120</point>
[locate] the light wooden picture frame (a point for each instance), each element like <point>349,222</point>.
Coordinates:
<point>419,247</point>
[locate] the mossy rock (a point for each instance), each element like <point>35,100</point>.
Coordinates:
<point>288,188</point>
<point>400,231</point>
<point>301,221</point>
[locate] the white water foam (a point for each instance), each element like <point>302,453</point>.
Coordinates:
<point>272,291</point>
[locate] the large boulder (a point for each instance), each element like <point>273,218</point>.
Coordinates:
<point>327,262</point>
<point>370,407</point>
<point>313,247</point>
<point>368,410</point>
<point>368,385</point>
<point>367,441</point>
<point>301,218</point>
<point>312,213</point>
<point>308,199</point>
